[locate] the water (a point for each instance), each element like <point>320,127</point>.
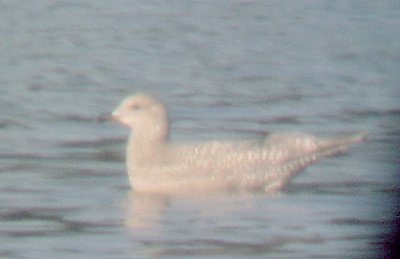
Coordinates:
<point>227,69</point>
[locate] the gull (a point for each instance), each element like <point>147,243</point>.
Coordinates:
<point>156,165</point>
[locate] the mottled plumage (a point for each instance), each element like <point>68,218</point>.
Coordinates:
<point>155,165</point>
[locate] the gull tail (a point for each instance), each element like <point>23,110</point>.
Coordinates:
<point>324,148</point>
<point>330,147</point>
<point>339,143</point>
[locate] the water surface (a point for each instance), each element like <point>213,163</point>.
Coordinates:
<point>227,69</point>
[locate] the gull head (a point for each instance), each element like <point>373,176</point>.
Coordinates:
<point>144,114</point>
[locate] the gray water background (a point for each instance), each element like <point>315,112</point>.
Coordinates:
<point>226,69</point>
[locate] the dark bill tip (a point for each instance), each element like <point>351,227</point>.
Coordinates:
<point>104,117</point>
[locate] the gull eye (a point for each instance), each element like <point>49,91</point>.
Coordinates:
<point>135,107</point>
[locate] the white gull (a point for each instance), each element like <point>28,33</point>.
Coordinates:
<point>157,166</point>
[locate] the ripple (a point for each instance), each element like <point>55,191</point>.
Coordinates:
<point>69,117</point>
<point>101,142</point>
<point>373,113</point>
<point>214,247</point>
<point>34,222</point>
<point>338,188</point>
<point>11,123</point>
<point>357,221</point>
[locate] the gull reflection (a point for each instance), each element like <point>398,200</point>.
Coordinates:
<point>143,210</point>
